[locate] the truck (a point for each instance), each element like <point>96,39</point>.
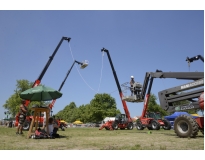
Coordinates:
<point>122,121</point>
<point>36,83</point>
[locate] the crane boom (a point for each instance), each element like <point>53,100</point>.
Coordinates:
<point>38,81</point>
<point>118,84</point>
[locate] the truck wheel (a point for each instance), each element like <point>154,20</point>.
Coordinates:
<point>130,126</point>
<point>202,131</point>
<point>115,125</point>
<point>107,128</point>
<point>167,125</point>
<point>155,125</point>
<point>150,128</point>
<point>26,125</point>
<point>185,126</point>
<point>139,125</point>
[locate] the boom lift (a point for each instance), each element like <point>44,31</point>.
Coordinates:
<point>189,60</point>
<point>83,65</point>
<point>186,126</point>
<point>150,123</point>
<point>122,121</point>
<point>151,120</point>
<point>38,81</point>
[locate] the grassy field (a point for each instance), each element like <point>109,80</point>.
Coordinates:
<point>94,139</point>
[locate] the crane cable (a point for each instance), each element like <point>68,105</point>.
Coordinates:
<point>101,72</point>
<point>82,76</point>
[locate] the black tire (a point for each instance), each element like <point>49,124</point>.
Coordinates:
<point>202,131</point>
<point>26,125</point>
<point>150,128</point>
<point>107,128</point>
<point>130,126</point>
<point>155,125</point>
<point>139,125</point>
<point>167,125</point>
<point>115,125</point>
<point>185,126</point>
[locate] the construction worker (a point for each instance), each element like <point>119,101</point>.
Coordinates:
<point>132,81</point>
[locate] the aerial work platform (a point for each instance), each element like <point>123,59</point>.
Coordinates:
<point>136,89</point>
<point>132,99</point>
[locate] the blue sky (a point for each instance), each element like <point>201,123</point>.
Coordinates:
<point>138,41</point>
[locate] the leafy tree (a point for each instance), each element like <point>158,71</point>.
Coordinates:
<point>154,107</point>
<point>69,113</point>
<point>12,104</point>
<point>103,105</point>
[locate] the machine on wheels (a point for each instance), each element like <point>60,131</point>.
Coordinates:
<point>184,126</point>
<point>38,81</point>
<point>150,120</point>
<point>169,96</point>
<point>122,121</point>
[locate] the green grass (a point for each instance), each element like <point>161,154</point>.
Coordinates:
<point>95,139</point>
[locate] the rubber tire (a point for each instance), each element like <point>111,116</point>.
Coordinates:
<point>130,126</point>
<point>149,128</point>
<point>155,125</point>
<point>115,125</point>
<point>107,128</point>
<point>26,125</point>
<point>167,125</point>
<point>190,126</point>
<point>139,125</point>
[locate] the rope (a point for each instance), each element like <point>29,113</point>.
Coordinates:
<point>101,73</point>
<point>82,76</point>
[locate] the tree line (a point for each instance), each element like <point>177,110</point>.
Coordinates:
<point>101,106</point>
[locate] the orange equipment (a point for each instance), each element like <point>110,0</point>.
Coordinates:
<point>122,121</point>
<point>38,81</point>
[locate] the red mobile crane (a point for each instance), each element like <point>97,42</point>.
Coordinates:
<point>122,121</point>
<point>38,81</point>
<point>83,65</point>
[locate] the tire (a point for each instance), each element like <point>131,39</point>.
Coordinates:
<point>149,128</point>
<point>185,126</point>
<point>130,126</point>
<point>107,128</point>
<point>167,125</point>
<point>139,125</point>
<point>155,125</point>
<point>202,131</point>
<point>26,125</point>
<point>115,125</point>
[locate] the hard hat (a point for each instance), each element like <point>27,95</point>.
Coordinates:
<point>132,76</point>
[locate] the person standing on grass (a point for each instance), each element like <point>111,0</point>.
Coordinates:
<point>22,117</point>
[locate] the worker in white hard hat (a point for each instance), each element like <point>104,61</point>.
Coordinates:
<point>132,81</point>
